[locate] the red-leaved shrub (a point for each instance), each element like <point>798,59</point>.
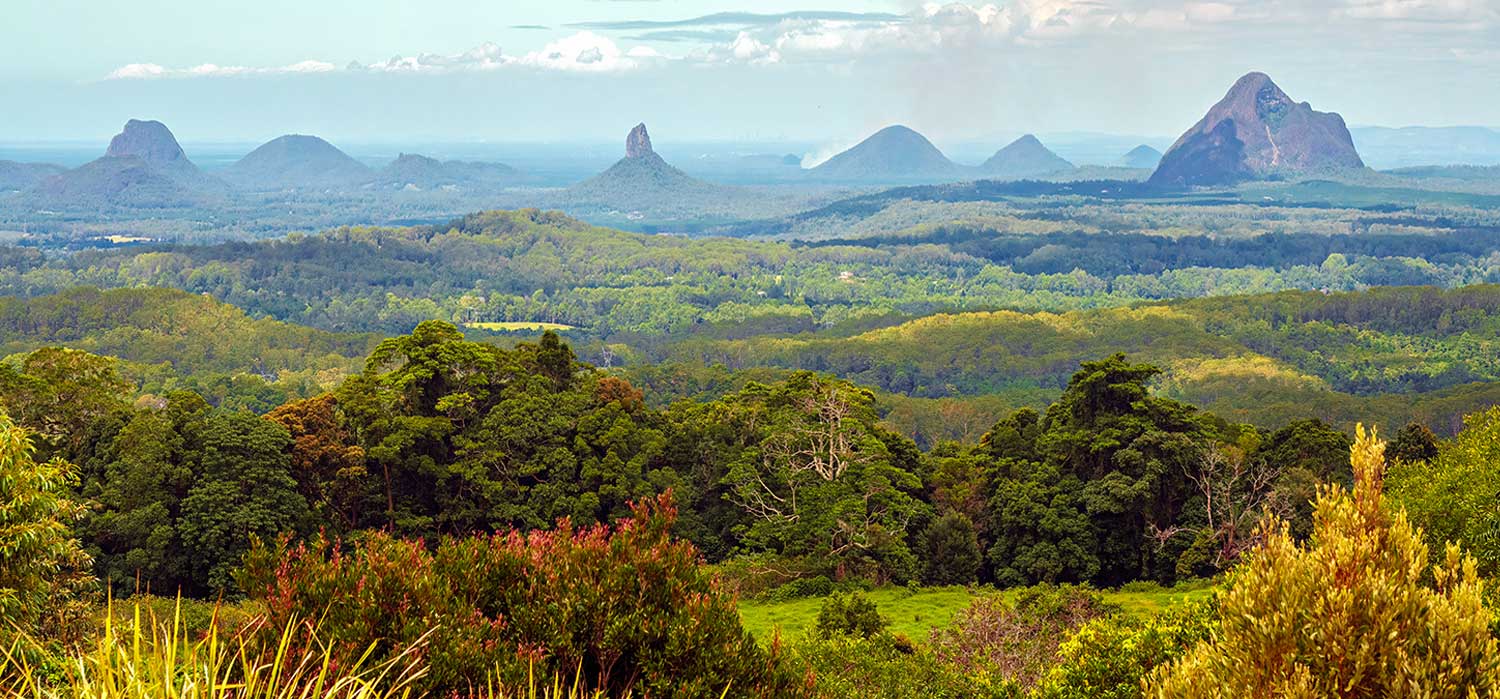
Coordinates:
<point>623,608</point>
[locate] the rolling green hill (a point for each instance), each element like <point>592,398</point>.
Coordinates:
<point>1385,355</point>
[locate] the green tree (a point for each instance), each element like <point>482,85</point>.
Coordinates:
<point>1349,614</point>
<point>57,393</point>
<point>149,467</point>
<point>1094,490</point>
<point>819,478</point>
<point>244,489</point>
<point>1413,443</point>
<point>951,548</point>
<point>1452,497</point>
<point>44,572</point>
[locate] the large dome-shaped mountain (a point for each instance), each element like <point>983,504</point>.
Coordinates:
<point>1024,157</point>
<point>1257,131</point>
<point>296,160</point>
<point>894,153</point>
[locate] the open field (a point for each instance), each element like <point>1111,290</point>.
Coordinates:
<point>915,614</point>
<point>518,325</point>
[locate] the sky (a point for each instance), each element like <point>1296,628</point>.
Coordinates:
<point>818,71</point>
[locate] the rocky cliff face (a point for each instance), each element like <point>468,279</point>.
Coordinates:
<point>151,142</point>
<point>1257,131</point>
<point>638,143</point>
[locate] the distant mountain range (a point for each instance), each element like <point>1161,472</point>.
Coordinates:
<point>1257,131</point>
<point>1427,146</point>
<point>146,168</point>
<point>898,154</point>
<point>16,176</point>
<point>412,171</point>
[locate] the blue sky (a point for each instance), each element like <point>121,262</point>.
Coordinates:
<point>826,72</point>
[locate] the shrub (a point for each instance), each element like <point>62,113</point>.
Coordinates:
<point>881,666</point>
<point>1017,642</point>
<point>627,609</point>
<point>816,586</point>
<point>849,615</point>
<point>1349,614</point>
<point>1107,658</point>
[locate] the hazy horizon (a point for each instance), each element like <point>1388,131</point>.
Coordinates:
<point>828,73</point>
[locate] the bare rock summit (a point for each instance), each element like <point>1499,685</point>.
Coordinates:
<point>1257,131</point>
<point>638,143</point>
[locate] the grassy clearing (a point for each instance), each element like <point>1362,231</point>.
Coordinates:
<point>517,325</point>
<point>915,614</point>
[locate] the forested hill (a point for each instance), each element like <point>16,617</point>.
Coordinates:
<point>533,266</point>
<point>1259,359</point>
<point>171,339</point>
<point>1375,355</point>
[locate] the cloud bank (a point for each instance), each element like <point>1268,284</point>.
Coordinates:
<point>1469,29</point>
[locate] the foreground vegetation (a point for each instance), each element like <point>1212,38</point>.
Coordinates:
<point>487,615</point>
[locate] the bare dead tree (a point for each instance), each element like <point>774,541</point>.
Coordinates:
<point>821,447</point>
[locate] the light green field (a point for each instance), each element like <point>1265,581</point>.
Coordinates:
<point>517,325</point>
<point>915,614</point>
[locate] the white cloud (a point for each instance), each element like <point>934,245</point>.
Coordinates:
<point>959,27</point>
<point>965,32</point>
<point>582,52</point>
<point>148,71</point>
<point>486,56</point>
<point>1464,11</point>
<point>137,71</point>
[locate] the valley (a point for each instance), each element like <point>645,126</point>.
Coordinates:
<point>759,423</point>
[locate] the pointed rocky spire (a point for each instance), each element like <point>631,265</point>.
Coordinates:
<point>638,143</point>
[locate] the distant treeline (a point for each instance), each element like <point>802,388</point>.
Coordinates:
<point>1112,254</point>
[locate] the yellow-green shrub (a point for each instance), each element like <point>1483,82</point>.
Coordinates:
<point>1347,615</point>
<point>1107,658</point>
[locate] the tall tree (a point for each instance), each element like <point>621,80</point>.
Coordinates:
<point>244,489</point>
